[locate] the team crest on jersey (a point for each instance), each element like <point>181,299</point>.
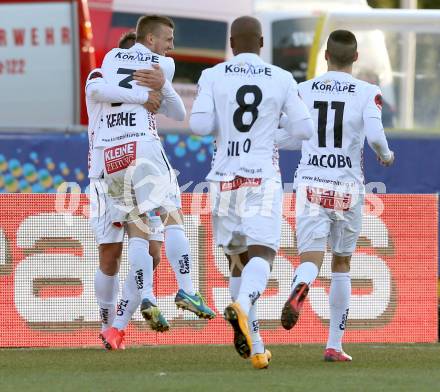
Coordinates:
<point>378,101</point>
<point>247,69</point>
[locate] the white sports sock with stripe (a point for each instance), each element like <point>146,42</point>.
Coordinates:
<point>129,302</point>
<point>179,256</point>
<point>254,325</point>
<point>142,265</point>
<point>254,279</point>
<point>106,292</point>
<point>340,293</point>
<point>306,272</point>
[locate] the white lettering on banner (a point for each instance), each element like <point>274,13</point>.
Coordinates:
<point>373,203</point>
<point>69,192</point>
<point>166,303</point>
<point>282,272</point>
<point>3,248</point>
<point>363,267</point>
<point>35,230</point>
<point>54,309</point>
<point>375,230</point>
<point>269,307</point>
<point>56,266</point>
<point>220,294</point>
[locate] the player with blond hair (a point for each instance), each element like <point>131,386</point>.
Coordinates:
<point>108,236</point>
<point>138,174</point>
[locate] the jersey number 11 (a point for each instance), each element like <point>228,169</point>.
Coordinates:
<point>322,107</point>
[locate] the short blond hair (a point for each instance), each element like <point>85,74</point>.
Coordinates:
<point>149,24</point>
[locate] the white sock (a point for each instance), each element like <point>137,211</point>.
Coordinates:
<point>128,303</point>
<point>254,325</point>
<point>254,279</point>
<point>254,328</point>
<point>340,293</point>
<point>306,272</point>
<point>142,264</point>
<point>106,292</point>
<point>179,257</point>
<point>234,287</point>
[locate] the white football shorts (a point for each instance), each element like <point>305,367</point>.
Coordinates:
<point>100,217</point>
<point>140,180</point>
<point>323,215</point>
<point>246,211</point>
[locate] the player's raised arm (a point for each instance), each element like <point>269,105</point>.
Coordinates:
<point>373,128</point>
<point>202,120</point>
<point>298,123</point>
<point>98,90</point>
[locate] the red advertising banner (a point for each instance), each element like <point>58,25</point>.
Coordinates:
<point>48,258</point>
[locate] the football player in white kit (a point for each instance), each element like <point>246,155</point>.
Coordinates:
<point>137,172</point>
<point>330,181</point>
<point>241,101</point>
<point>108,236</point>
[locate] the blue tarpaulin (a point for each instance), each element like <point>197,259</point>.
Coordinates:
<point>39,162</point>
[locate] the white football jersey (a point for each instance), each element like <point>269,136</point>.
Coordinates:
<point>333,156</point>
<point>247,96</point>
<point>94,112</point>
<point>129,122</point>
<point>98,92</point>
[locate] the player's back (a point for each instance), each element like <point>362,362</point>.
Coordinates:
<point>125,122</point>
<point>248,97</point>
<point>334,155</point>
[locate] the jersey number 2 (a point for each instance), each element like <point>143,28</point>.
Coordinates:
<point>126,81</point>
<point>322,107</point>
<point>244,107</point>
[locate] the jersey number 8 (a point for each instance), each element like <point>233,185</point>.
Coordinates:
<point>244,107</point>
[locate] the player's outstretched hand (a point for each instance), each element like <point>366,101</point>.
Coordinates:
<point>387,163</point>
<point>153,103</point>
<point>151,78</point>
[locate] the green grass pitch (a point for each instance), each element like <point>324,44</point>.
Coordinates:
<point>218,368</point>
